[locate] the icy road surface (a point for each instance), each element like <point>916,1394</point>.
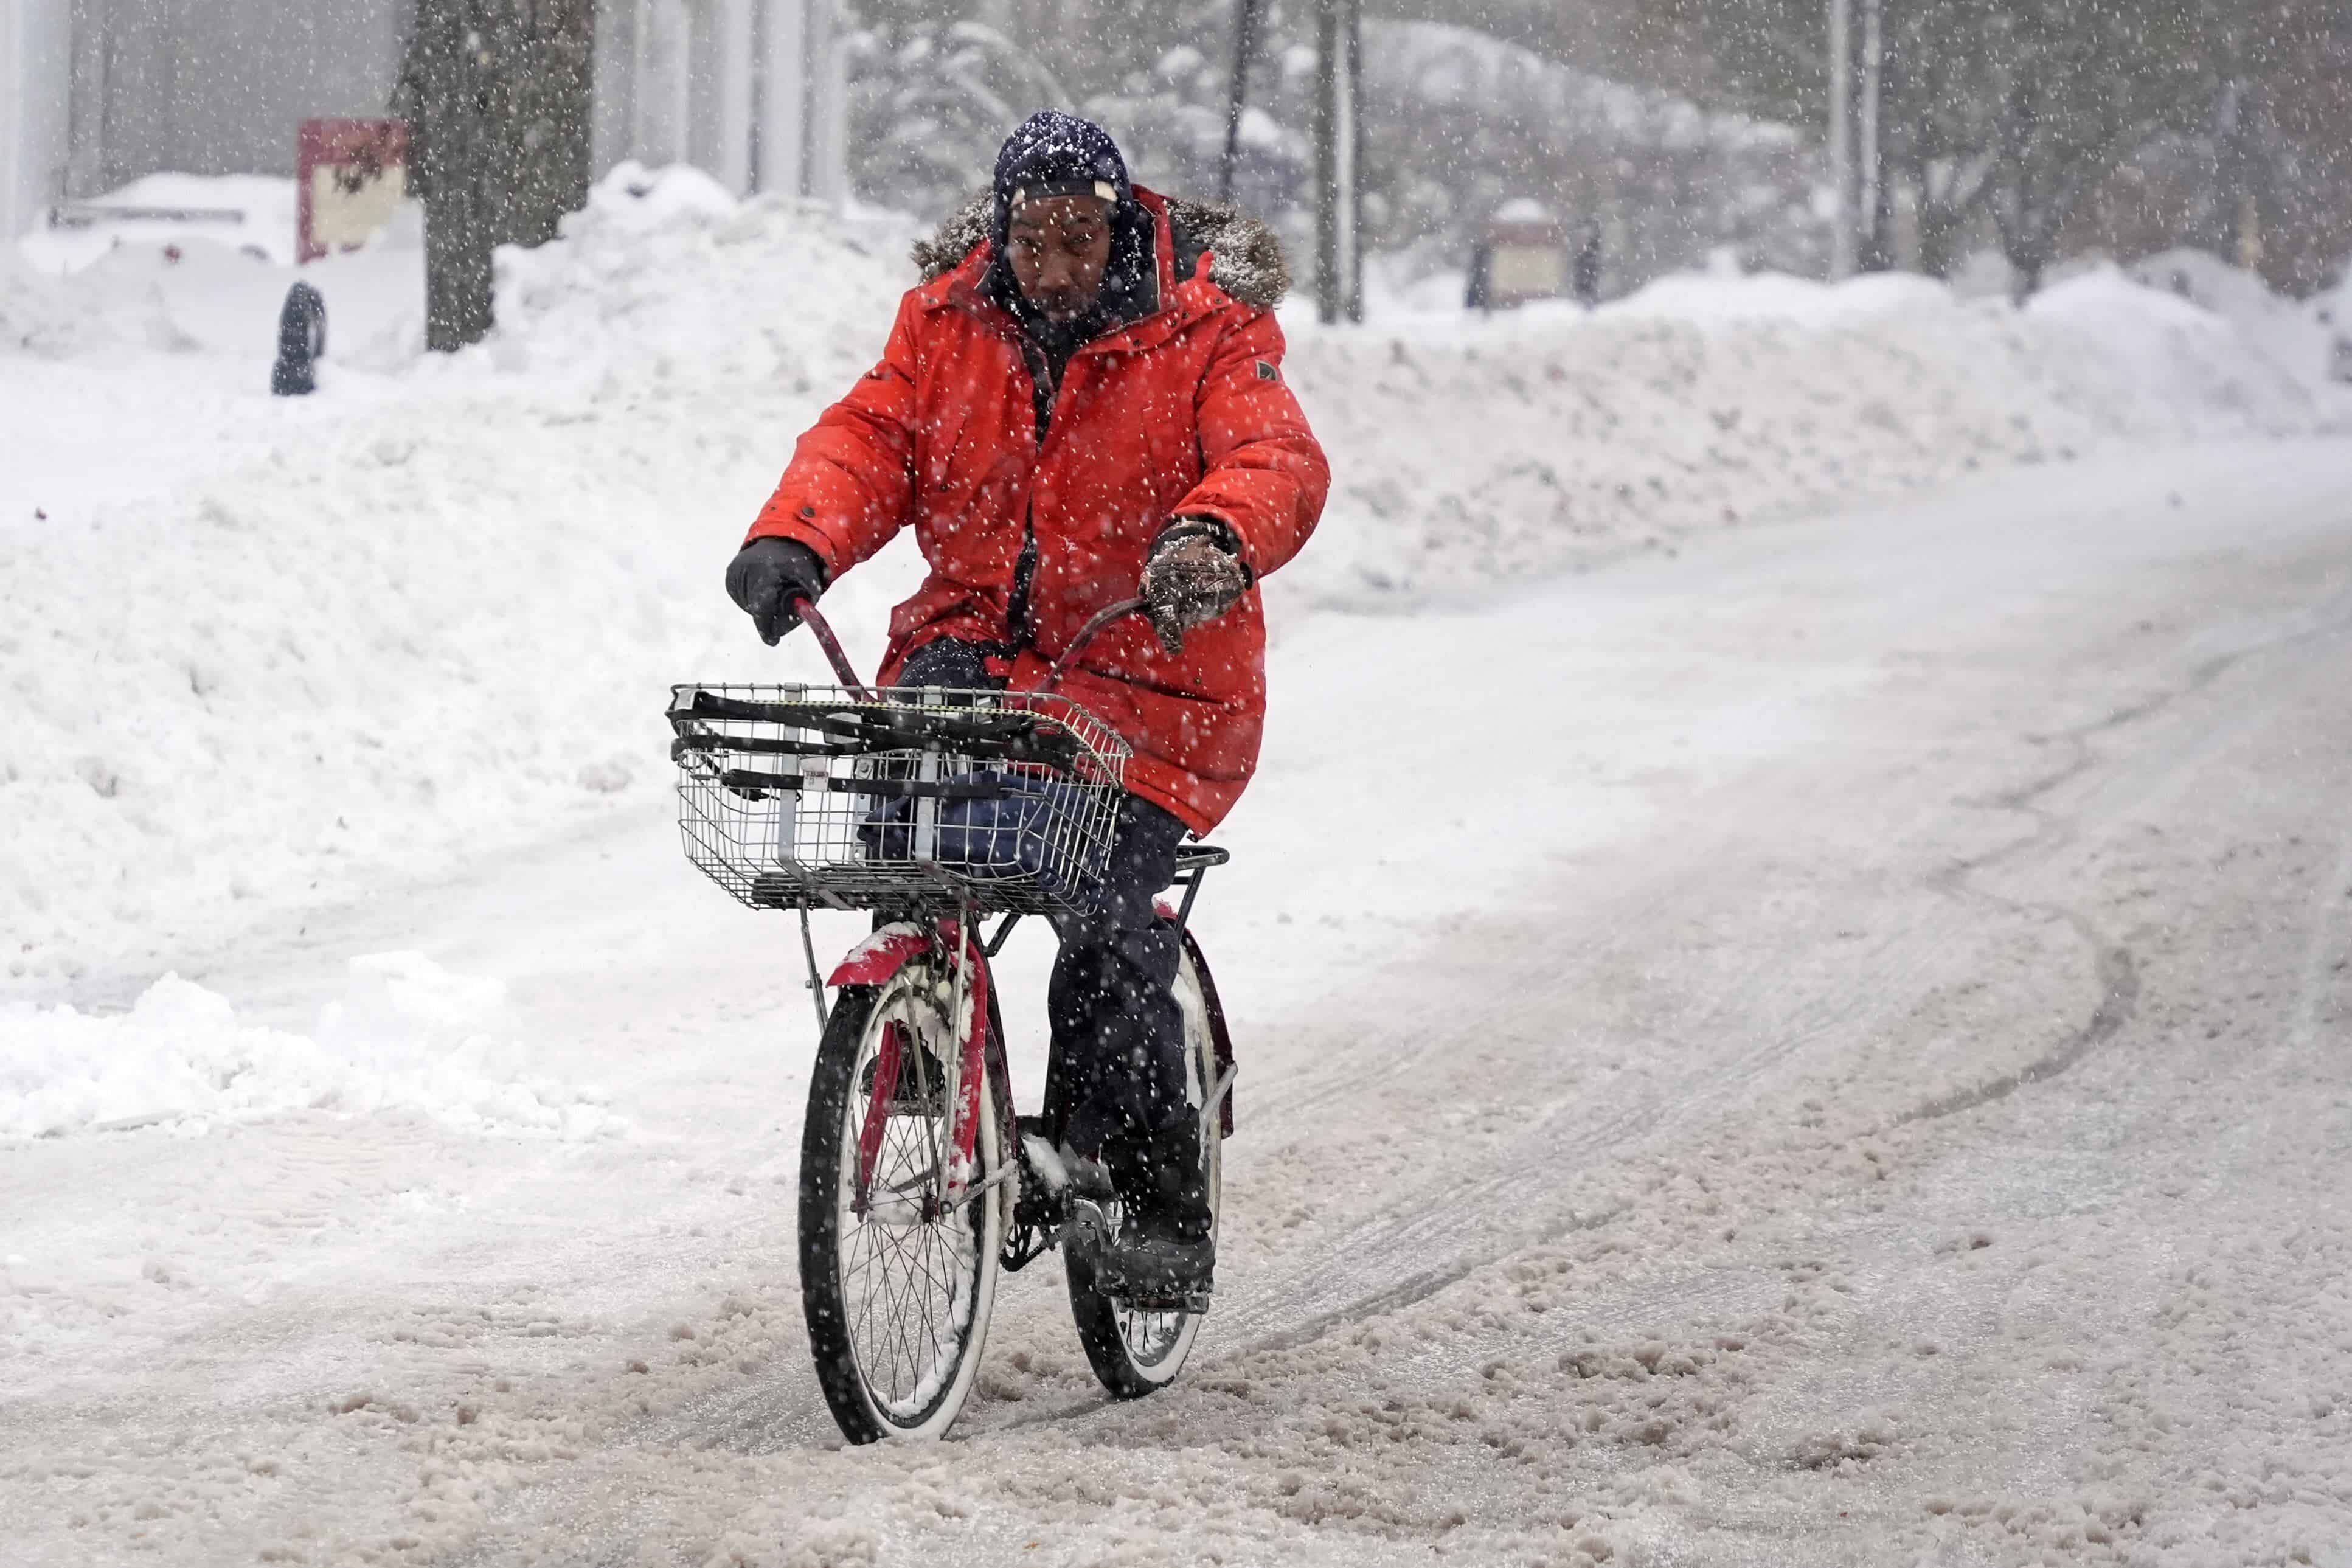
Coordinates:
<point>1831,1048</point>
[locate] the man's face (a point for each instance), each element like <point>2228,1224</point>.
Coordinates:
<point>1058,247</point>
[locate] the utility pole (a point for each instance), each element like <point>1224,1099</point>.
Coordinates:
<point>1841,70</point>
<point>828,146</point>
<point>1873,247</point>
<point>1237,93</point>
<point>1339,147</point>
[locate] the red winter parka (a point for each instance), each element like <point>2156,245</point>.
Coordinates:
<point>1180,412</point>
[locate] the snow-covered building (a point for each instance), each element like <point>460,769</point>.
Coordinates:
<point>36,66</point>
<point>96,93</point>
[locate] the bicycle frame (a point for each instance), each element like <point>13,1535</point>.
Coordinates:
<point>919,1188</point>
<point>880,957</point>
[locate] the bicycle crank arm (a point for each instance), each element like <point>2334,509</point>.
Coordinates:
<point>1089,1229</point>
<point>1004,1174</point>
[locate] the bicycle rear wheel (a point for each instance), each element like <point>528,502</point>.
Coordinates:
<point>1135,1351</point>
<point>897,1297</point>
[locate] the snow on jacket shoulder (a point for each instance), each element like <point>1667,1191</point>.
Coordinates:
<point>1182,411</point>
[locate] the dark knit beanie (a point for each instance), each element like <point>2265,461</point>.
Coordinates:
<point>1055,154</point>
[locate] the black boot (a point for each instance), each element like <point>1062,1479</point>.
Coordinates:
<point>1166,1249</point>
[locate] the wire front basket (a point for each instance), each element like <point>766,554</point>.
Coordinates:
<point>903,800</point>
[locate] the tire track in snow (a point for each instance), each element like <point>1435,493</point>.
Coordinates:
<point>1668,1106</point>
<point>1763,985</point>
<point>2114,968</point>
<point>2114,965</point>
<point>2330,906</point>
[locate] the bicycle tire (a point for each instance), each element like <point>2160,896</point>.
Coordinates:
<point>882,1389</point>
<point>1134,1353</point>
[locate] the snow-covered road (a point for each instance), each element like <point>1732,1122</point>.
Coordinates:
<point>1828,1048</point>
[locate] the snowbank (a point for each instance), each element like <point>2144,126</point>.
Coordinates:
<point>2301,335</point>
<point>42,318</point>
<point>1549,439</point>
<point>666,282</point>
<point>416,617</point>
<point>346,641</point>
<point>407,1036</point>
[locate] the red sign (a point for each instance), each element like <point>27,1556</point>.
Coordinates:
<point>349,176</point>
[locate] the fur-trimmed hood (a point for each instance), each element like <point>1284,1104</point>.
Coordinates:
<point>1248,260</point>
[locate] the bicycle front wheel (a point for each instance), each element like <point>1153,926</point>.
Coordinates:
<point>897,1288</point>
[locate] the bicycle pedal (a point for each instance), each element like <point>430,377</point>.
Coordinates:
<point>1195,1302</point>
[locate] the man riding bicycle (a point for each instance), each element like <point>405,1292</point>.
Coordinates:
<point>1084,395</point>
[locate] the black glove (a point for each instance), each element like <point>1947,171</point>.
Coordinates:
<point>1193,575</point>
<point>765,579</point>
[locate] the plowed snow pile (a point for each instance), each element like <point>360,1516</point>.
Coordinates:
<point>434,610</point>
<point>1551,440</point>
<point>406,1035</point>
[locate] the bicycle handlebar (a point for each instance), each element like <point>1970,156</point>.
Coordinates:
<point>818,625</point>
<point>1086,635</point>
<point>822,630</point>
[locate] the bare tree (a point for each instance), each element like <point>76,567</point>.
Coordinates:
<point>2077,86</point>
<point>496,94</point>
<point>1937,121</point>
<point>2281,198</point>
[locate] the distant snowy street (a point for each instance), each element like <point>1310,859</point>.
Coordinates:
<point>1813,1043</point>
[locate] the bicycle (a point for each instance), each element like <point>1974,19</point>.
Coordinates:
<point>919,1185</point>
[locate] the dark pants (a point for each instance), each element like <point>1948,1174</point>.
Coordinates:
<point>1118,1067</point>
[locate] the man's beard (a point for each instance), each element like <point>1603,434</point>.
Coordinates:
<point>1064,336</point>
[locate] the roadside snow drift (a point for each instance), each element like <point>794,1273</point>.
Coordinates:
<point>406,1035</point>
<point>1550,439</point>
<point>340,641</point>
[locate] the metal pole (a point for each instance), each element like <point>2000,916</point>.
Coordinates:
<point>784,100</point>
<point>86,116</point>
<point>734,35</point>
<point>1841,70</point>
<point>1338,267</point>
<point>827,144</point>
<point>1237,93</point>
<point>1353,124</point>
<point>19,142</point>
<point>1872,253</point>
<point>1327,159</point>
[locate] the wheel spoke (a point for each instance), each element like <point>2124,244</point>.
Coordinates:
<point>909,1284</point>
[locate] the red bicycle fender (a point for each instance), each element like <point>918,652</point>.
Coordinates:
<point>880,956</point>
